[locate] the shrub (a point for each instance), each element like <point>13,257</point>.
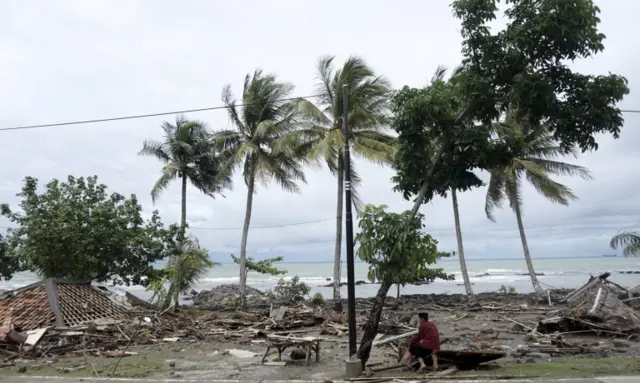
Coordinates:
<point>317,299</point>
<point>291,290</point>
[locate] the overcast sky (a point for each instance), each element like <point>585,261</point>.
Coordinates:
<point>70,60</point>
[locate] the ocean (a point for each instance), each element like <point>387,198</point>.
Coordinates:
<point>486,275</point>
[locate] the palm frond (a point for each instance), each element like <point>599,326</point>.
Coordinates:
<point>631,250</point>
<point>495,193</point>
<point>513,189</point>
<point>561,168</point>
<point>550,189</point>
<point>193,264</point>
<point>169,173</point>
<point>155,149</point>
<point>624,239</point>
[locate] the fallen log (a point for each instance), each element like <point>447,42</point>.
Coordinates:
<point>394,338</point>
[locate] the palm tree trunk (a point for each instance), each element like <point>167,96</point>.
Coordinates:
<point>463,262</point>
<point>173,294</point>
<point>338,247</point>
<point>243,242</point>
<point>525,247</point>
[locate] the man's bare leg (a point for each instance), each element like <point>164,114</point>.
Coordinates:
<point>407,359</point>
<point>422,364</point>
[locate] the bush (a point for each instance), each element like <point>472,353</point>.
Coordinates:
<point>291,290</point>
<point>508,290</point>
<point>317,299</point>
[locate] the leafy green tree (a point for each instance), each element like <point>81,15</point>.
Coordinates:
<point>255,144</point>
<point>630,240</point>
<point>424,117</point>
<point>526,66</point>
<point>8,265</point>
<point>397,251</point>
<point>265,266</point>
<point>77,230</point>
<point>536,163</point>
<point>188,154</point>
<point>193,264</point>
<point>323,135</point>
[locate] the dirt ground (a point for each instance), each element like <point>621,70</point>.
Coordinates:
<point>494,322</point>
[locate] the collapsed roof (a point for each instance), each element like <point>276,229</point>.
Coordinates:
<point>56,302</point>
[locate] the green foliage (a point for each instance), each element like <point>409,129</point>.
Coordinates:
<point>255,144</point>
<point>8,265</point>
<point>321,137</point>
<point>317,299</point>
<point>507,290</point>
<point>188,151</point>
<point>291,290</point>
<point>76,230</point>
<point>396,249</point>
<point>193,263</point>
<point>435,144</point>
<point>263,267</point>
<point>526,66</point>
<point>629,240</point>
<point>536,163</point>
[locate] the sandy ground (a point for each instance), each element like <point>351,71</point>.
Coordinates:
<point>490,324</point>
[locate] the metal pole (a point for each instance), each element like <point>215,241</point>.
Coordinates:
<point>351,287</point>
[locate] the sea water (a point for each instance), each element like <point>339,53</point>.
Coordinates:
<point>486,275</point>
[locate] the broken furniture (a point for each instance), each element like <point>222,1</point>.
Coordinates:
<point>308,344</point>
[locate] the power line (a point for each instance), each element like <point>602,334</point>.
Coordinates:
<point>264,227</point>
<point>250,227</point>
<point>184,111</point>
<point>139,116</point>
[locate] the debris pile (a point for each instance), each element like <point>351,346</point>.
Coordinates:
<point>227,297</point>
<point>596,307</point>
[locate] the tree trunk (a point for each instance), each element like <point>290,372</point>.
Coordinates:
<point>243,243</point>
<point>463,262</point>
<point>173,294</point>
<point>525,247</point>
<point>337,261</point>
<point>398,291</point>
<point>371,327</point>
<point>425,185</point>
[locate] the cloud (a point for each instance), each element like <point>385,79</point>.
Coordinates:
<point>76,60</point>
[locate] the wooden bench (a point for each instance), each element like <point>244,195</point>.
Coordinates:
<point>280,343</point>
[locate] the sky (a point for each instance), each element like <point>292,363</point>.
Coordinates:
<point>73,60</point>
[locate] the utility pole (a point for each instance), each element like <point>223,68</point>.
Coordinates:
<point>351,287</point>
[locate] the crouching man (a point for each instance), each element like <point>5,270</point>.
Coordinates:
<point>422,345</point>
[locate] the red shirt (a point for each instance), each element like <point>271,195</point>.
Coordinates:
<point>428,336</point>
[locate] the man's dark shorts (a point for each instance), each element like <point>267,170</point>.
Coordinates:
<point>416,350</point>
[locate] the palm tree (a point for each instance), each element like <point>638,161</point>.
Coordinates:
<point>193,264</point>
<point>631,242</point>
<point>536,164</point>
<point>322,136</point>
<point>266,115</point>
<point>188,154</point>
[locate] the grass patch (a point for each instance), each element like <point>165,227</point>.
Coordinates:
<point>579,367</point>
<point>134,366</point>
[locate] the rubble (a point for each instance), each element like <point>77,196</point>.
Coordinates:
<point>227,297</point>
<point>597,307</point>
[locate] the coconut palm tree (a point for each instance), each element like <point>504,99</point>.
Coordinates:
<point>631,242</point>
<point>265,116</point>
<point>192,265</point>
<point>536,164</point>
<point>188,154</point>
<point>322,135</point>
